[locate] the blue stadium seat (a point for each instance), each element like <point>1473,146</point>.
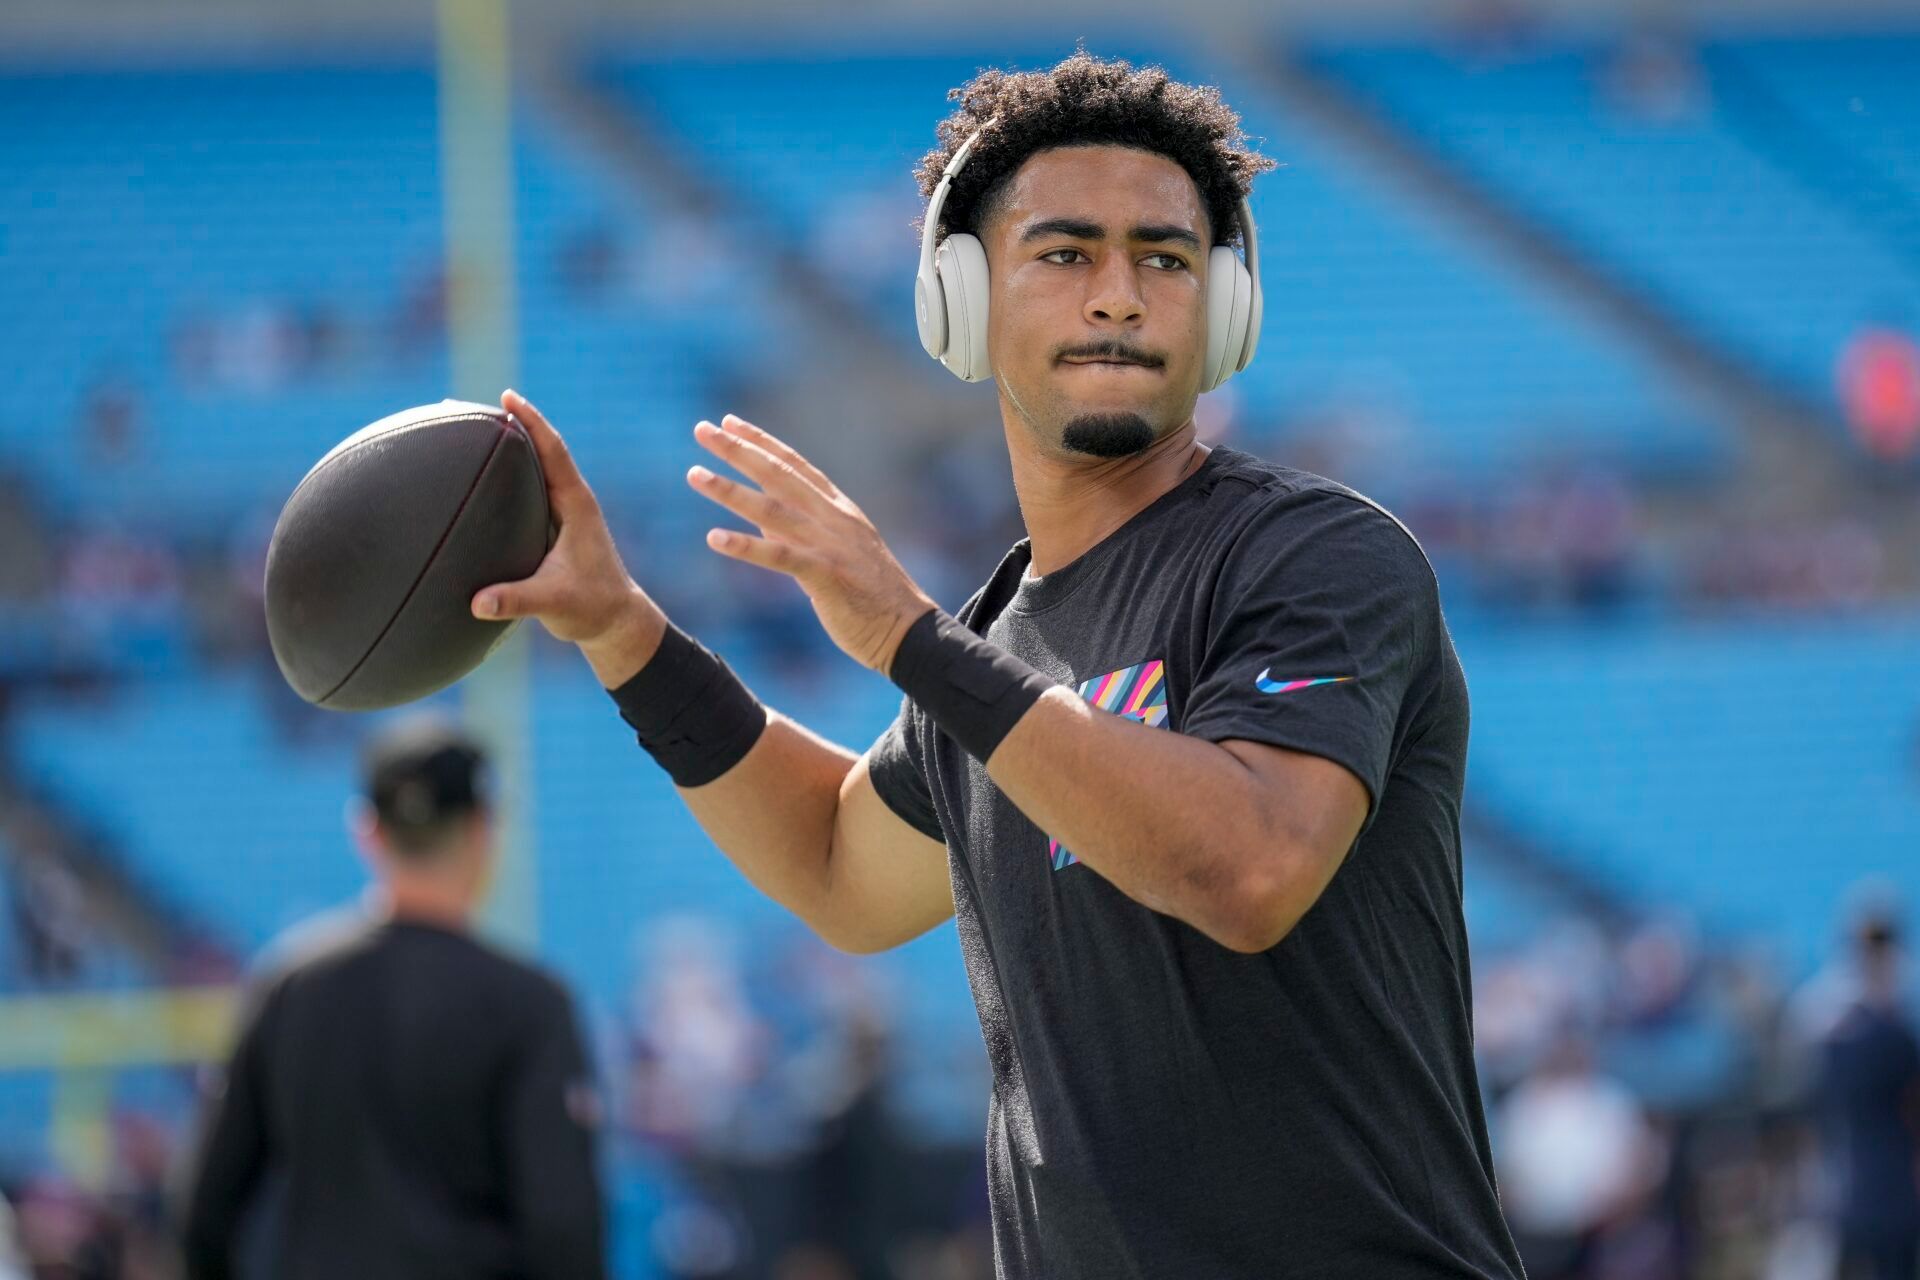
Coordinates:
<point>1745,773</point>
<point>1681,206</point>
<point>1856,90</point>
<point>176,232</point>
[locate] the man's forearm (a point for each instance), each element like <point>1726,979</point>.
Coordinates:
<point>772,813</point>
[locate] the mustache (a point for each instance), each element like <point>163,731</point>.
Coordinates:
<point>1111,349</point>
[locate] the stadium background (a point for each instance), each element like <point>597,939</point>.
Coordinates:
<point>1616,307</point>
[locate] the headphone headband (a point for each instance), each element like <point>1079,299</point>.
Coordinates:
<point>938,202</point>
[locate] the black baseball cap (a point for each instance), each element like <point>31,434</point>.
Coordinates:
<point>422,771</point>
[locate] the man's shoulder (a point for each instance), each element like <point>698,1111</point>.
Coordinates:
<point>314,943</point>
<point>1284,506</point>
<point>335,942</point>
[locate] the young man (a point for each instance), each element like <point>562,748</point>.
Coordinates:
<point>420,1100</point>
<point>1188,768</point>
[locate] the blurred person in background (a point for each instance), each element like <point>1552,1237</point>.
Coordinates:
<point>12,1265</point>
<point>420,1102</point>
<point>1867,1099</point>
<point>1879,383</point>
<point>1578,1160</point>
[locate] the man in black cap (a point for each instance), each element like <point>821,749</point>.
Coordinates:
<point>420,1101</point>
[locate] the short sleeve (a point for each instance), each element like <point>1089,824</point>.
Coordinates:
<point>896,766</point>
<point>1319,623</point>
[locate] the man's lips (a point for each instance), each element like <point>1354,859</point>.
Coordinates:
<point>1108,362</point>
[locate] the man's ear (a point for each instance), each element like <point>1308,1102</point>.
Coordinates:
<point>480,830</point>
<point>363,824</point>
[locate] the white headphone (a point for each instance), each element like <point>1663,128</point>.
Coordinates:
<point>950,295</point>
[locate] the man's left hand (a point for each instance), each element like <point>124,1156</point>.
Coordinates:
<point>814,534</point>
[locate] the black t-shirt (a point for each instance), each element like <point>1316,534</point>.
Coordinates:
<point>422,1106</point>
<point>1162,1105</point>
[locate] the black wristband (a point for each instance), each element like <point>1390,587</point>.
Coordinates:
<point>691,712</point>
<point>975,691</point>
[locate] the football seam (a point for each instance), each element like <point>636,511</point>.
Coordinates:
<point>422,576</point>
<point>333,455</point>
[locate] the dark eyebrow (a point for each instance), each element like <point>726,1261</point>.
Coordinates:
<point>1072,228</point>
<point>1162,232</point>
<point>1081,229</point>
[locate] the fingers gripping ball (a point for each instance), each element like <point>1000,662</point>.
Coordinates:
<point>381,547</point>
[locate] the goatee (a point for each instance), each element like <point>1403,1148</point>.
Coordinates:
<point>1108,435</point>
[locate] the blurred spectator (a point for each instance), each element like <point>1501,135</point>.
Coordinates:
<point>1837,563</point>
<point>586,262</point>
<point>143,1160</point>
<point>1578,1161</point>
<point>1654,76</point>
<point>697,1044</point>
<point>259,346</point>
<point>12,1263</point>
<point>111,417</point>
<point>1867,1096</point>
<point>50,918</point>
<point>26,570</point>
<point>420,315</point>
<point>1879,382</point>
<point>1566,537</point>
<point>66,1234</point>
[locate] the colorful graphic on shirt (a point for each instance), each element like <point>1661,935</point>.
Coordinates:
<point>1139,693</point>
<point>1266,685</point>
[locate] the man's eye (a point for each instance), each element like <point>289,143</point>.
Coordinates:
<point>1053,255</point>
<point>1167,261</point>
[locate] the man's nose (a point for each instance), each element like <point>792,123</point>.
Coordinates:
<point>1115,294</point>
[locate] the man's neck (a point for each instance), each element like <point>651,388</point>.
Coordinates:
<point>420,901</point>
<point>1070,504</point>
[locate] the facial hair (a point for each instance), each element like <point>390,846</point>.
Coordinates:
<point>1108,435</point>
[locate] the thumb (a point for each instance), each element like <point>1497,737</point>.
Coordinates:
<point>506,600</point>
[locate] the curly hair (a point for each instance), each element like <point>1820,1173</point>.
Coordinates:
<point>1089,100</point>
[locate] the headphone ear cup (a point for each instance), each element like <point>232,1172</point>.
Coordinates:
<point>962,264</point>
<point>930,311</point>
<point>1229,311</point>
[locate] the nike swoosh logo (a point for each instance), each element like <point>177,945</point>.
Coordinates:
<point>1266,685</point>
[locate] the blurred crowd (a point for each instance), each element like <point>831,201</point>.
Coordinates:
<point>1664,1110</point>
<point>1660,1110</point>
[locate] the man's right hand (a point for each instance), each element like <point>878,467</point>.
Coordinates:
<point>581,592</point>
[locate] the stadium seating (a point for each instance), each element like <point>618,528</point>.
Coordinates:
<point>1674,199</point>
<point>1747,774</point>
<point>171,221</point>
<point>1855,91</point>
<point>166,228</point>
<point>617,849</point>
